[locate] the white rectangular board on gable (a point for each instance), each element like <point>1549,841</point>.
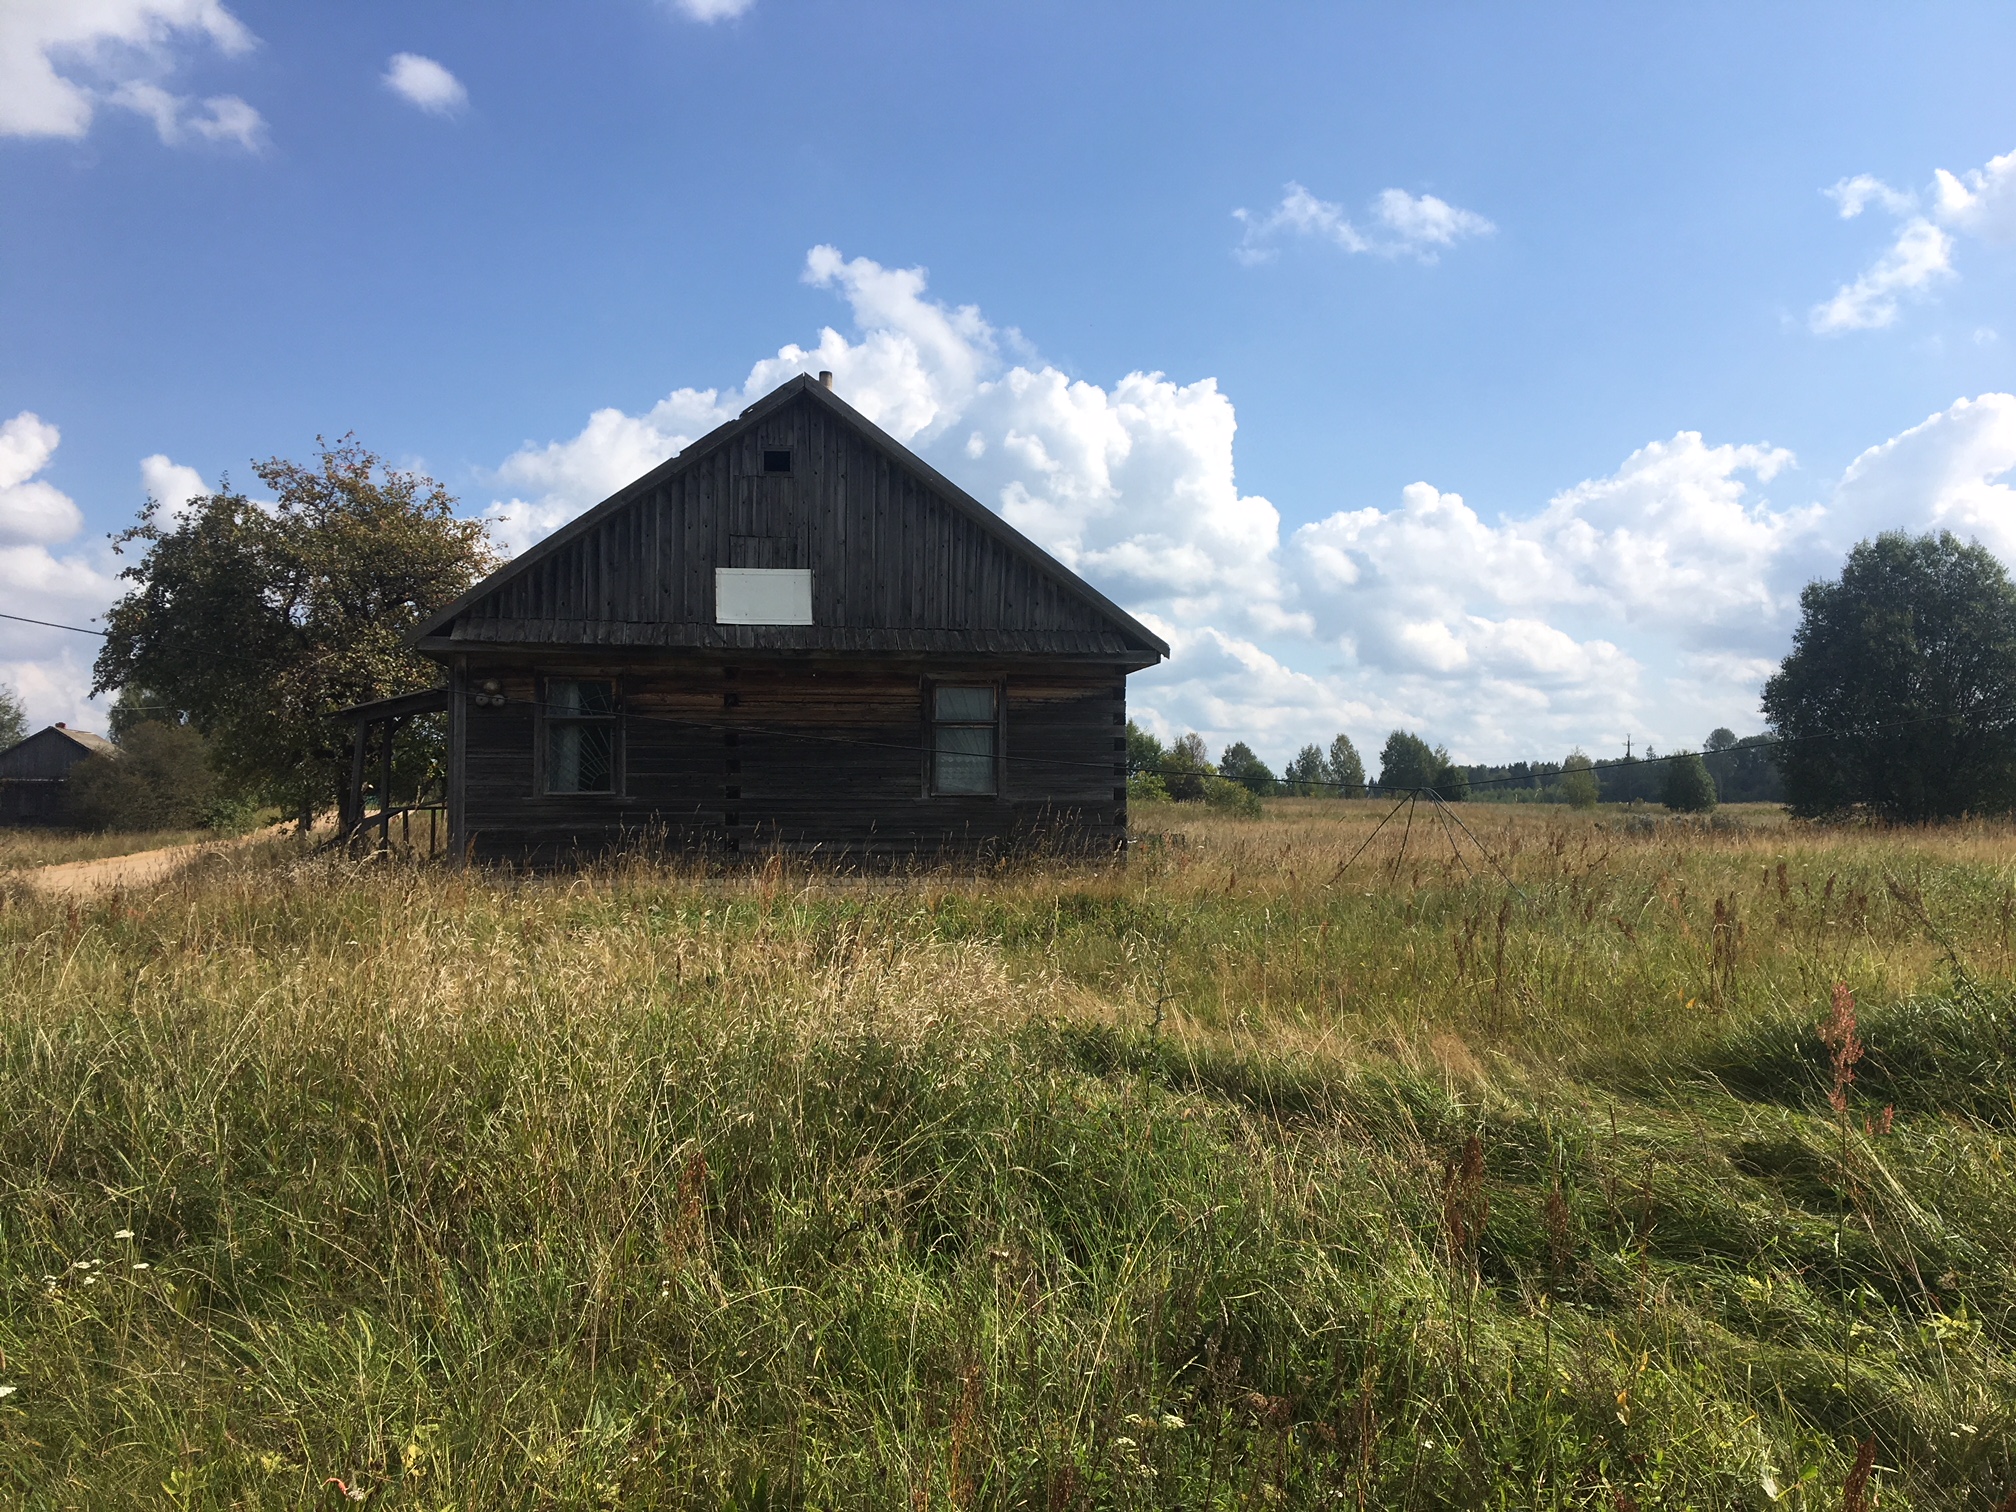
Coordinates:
<point>762,596</point>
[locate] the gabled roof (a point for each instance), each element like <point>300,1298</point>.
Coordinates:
<point>1123,632</point>
<point>51,751</point>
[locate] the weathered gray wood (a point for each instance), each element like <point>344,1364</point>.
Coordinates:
<point>901,555</point>
<point>832,757</point>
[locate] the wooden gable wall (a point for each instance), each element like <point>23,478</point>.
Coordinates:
<point>895,565</point>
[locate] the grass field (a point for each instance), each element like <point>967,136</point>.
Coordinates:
<point>23,848</point>
<point>1236,1177</point>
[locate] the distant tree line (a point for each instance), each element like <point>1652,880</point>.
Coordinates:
<point>1729,769</point>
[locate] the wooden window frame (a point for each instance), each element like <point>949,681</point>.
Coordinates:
<point>998,687</point>
<point>544,722</point>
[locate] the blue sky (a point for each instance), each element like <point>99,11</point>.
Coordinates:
<point>1542,368</point>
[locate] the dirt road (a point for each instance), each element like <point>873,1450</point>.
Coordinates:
<point>137,870</point>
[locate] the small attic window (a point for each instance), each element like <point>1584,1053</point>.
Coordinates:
<point>777,461</point>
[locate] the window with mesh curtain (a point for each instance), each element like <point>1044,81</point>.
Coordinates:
<point>580,736</point>
<point>965,729</point>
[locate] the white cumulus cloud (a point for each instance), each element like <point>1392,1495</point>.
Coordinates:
<point>1651,600</point>
<point>32,511</point>
<point>1401,224</point>
<point>425,83</point>
<point>51,668</point>
<point>710,10</point>
<point>1944,473</point>
<point>61,59</point>
<point>1979,202</point>
<point>170,484</point>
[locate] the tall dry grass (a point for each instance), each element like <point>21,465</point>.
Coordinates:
<point>1234,1176</point>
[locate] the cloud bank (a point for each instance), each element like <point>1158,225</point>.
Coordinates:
<point>51,668</point>
<point>62,59</point>
<point>1650,601</point>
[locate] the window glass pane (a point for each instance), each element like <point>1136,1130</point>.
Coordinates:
<point>568,698</point>
<point>578,758</point>
<point>964,762</point>
<point>975,704</point>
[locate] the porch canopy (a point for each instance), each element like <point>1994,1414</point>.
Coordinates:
<point>386,714</point>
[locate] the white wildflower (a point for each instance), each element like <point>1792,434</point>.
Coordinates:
<point>122,1234</point>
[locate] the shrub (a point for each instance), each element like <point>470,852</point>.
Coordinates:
<point>1240,765</point>
<point>1689,788</point>
<point>160,778</point>
<point>1232,797</point>
<point>1579,785</point>
<point>1146,787</point>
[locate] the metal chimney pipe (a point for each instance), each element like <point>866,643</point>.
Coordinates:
<point>826,380</point>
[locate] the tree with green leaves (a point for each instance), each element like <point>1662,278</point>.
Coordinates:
<point>1239,764</point>
<point>1185,768</point>
<point>1689,788</point>
<point>1899,696</point>
<point>1307,775</point>
<point>1144,750</point>
<point>13,717</point>
<point>1407,762</point>
<point>1144,766</point>
<point>159,778</point>
<point>1579,783</point>
<point>262,620</point>
<point>1347,771</point>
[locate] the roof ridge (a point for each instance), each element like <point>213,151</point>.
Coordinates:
<point>805,383</point>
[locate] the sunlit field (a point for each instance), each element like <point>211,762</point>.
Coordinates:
<point>1492,1168</point>
<point>21,848</point>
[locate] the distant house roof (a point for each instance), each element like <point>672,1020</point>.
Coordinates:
<point>49,754</point>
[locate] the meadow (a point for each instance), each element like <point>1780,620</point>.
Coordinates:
<point>1570,1162</point>
<point>24,848</point>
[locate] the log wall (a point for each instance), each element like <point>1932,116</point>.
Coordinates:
<point>828,756</point>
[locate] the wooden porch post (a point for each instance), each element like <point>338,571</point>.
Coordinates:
<point>353,816</point>
<point>388,728</point>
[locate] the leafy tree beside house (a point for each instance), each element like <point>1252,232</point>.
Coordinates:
<point>13,717</point>
<point>1186,769</point>
<point>1144,766</point>
<point>161,778</point>
<point>261,620</point>
<point>1899,696</point>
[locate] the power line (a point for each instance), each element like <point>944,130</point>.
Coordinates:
<point>51,624</point>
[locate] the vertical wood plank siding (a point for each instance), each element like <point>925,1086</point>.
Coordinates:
<point>830,757</point>
<point>893,565</point>
<point>802,737</point>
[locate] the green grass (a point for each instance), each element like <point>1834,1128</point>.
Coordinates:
<point>1046,1188</point>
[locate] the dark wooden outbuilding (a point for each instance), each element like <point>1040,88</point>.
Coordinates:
<point>794,634</point>
<point>35,773</point>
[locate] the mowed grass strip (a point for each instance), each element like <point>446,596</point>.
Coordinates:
<point>1233,1177</point>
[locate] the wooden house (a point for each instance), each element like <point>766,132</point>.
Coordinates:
<point>35,773</point>
<point>794,634</point>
